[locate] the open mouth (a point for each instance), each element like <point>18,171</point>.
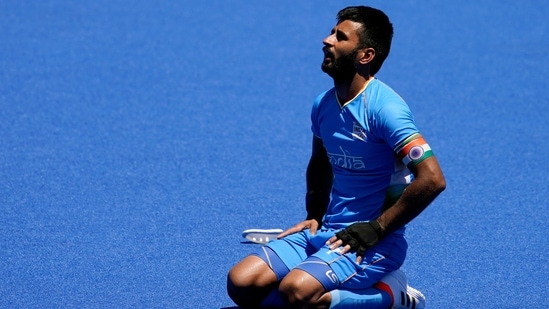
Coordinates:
<point>327,54</point>
<point>328,57</point>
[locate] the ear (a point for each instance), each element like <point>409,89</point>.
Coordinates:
<point>366,55</point>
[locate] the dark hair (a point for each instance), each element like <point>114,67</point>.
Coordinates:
<point>376,31</point>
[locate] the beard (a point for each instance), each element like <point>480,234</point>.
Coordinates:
<point>341,69</point>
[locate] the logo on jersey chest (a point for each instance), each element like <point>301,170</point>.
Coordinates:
<point>359,132</point>
<point>346,160</point>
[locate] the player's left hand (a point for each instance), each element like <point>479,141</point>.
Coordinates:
<point>356,237</point>
<point>311,224</point>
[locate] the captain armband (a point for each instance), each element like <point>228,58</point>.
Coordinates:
<point>413,150</point>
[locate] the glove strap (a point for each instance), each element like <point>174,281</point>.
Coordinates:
<point>377,228</point>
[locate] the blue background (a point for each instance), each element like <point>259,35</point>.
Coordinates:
<point>139,138</point>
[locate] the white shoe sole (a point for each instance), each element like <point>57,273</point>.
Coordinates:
<point>261,236</point>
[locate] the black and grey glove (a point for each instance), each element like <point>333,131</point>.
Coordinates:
<point>361,236</point>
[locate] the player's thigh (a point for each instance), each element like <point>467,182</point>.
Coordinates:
<point>251,271</point>
<point>269,263</point>
<point>334,270</point>
<point>291,250</point>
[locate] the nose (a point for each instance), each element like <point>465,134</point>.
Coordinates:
<point>329,40</point>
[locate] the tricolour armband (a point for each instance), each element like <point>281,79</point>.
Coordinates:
<point>413,150</point>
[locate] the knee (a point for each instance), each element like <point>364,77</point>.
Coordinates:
<point>236,279</point>
<point>244,274</point>
<point>238,287</point>
<point>248,282</point>
<point>291,292</point>
<point>298,293</point>
<point>301,290</point>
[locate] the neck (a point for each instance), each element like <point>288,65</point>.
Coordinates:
<point>347,90</point>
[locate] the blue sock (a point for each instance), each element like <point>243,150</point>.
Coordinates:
<point>273,300</point>
<point>372,298</point>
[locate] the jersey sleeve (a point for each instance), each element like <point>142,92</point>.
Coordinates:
<point>395,122</point>
<point>403,136</point>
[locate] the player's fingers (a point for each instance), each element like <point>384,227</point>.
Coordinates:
<point>294,229</point>
<point>360,250</point>
<point>345,249</point>
<point>286,232</point>
<point>331,240</point>
<point>359,259</point>
<point>336,244</point>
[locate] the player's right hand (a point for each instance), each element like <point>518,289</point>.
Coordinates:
<point>311,224</point>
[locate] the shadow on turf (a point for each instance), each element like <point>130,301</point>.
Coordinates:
<point>246,242</point>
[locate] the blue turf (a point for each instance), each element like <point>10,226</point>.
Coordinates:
<point>138,139</point>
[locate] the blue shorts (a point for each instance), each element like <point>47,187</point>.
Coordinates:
<point>334,270</point>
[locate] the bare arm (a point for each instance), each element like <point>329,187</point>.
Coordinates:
<point>319,181</point>
<point>429,182</point>
<point>319,184</point>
